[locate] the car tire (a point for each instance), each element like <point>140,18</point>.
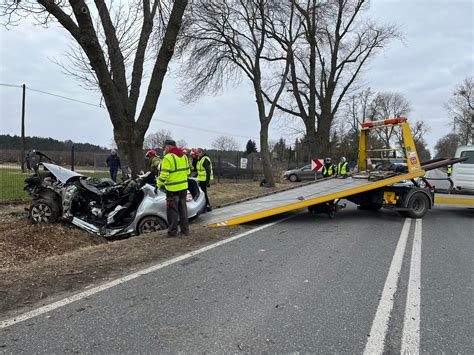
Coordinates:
<point>151,224</point>
<point>44,210</point>
<point>293,178</point>
<point>418,205</point>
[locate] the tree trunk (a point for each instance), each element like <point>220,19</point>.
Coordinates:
<point>324,131</point>
<point>265,153</point>
<point>130,146</point>
<point>310,125</point>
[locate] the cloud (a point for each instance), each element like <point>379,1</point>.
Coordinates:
<point>436,55</point>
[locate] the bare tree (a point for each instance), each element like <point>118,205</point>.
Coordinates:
<point>447,145</point>
<point>327,60</point>
<point>230,38</point>
<point>225,143</point>
<point>357,110</point>
<point>388,105</point>
<point>461,110</point>
<point>156,140</point>
<point>110,36</point>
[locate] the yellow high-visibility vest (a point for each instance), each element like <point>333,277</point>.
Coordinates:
<point>174,173</point>
<point>202,175</point>
<point>342,168</point>
<point>328,172</point>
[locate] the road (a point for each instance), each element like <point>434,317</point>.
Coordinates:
<point>368,282</point>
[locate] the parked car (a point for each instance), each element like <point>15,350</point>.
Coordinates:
<point>398,166</point>
<point>304,173</point>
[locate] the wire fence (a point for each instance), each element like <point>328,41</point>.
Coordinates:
<point>228,167</point>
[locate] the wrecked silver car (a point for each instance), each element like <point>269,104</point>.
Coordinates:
<point>99,206</point>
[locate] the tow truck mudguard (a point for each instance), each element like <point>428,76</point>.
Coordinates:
<point>413,190</point>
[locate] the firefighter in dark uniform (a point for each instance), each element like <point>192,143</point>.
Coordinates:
<point>328,168</point>
<point>204,174</point>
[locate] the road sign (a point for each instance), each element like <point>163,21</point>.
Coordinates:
<point>316,164</point>
<point>243,163</point>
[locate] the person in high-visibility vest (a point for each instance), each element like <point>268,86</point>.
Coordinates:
<point>342,167</point>
<point>449,170</point>
<point>328,168</point>
<point>174,178</point>
<point>205,174</point>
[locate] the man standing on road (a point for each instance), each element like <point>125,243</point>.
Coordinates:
<point>449,170</point>
<point>174,177</point>
<point>342,167</point>
<point>205,174</point>
<point>328,168</point>
<point>113,162</point>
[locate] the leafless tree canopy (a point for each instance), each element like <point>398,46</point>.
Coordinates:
<point>461,110</point>
<point>231,39</point>
<point>225,143</point>
<point>334,43</point>
<point>112,43</point>
<point>157,140</point>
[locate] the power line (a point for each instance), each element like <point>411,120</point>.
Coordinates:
<point>159,120</point>
<point>51,94</point>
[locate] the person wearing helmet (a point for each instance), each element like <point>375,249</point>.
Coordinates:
<point>154,161</point>
<point>328,168</point>
<point>342,167</point>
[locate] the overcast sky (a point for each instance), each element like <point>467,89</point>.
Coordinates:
<point>437,54</point>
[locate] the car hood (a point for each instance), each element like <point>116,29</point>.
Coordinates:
<point>62,174</point>
<point>288,172</point>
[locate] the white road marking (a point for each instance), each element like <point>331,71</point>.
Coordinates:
<point>376,342</point>
<point>411,323</point>
<point>36,312</point>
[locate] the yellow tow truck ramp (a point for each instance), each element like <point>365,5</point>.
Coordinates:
<point>368,188</point>
<point>316,193</point>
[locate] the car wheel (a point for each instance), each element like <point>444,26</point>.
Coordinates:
<point>418,205</point>
<point>293,178</point>
<point>151,224</point>
<point>44,210</point>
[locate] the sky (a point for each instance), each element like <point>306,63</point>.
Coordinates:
<point>437,53</point>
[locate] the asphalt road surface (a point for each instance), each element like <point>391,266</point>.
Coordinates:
<point>365,281</point>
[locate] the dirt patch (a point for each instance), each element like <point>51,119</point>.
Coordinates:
<point>39,263</point>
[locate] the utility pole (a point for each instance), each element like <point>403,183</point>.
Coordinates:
<point>22,156</point>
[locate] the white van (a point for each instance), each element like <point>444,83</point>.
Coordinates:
<point>463,173</point>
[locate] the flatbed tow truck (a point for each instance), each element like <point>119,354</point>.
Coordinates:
<point>369,189</point>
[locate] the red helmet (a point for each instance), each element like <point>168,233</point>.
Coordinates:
<point>150,153</point>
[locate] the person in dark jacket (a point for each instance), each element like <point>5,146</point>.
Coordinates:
<point>204,174</point>
<point>113,162</point>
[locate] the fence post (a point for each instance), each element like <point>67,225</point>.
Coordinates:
<point>22,157</point>
<point>219,168</point>
<point>72,157</point>
<point>237,162</point>
<point>252,167</point>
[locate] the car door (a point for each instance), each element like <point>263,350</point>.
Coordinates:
<point>306,173</point>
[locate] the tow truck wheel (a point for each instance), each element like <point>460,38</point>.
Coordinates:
<point>151,224</point>
<point>44,210</point>
<point>418,205</point>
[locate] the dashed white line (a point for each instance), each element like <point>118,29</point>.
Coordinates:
<point>36,312</point>
<point>411,323</point>
<point>376,342</point>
